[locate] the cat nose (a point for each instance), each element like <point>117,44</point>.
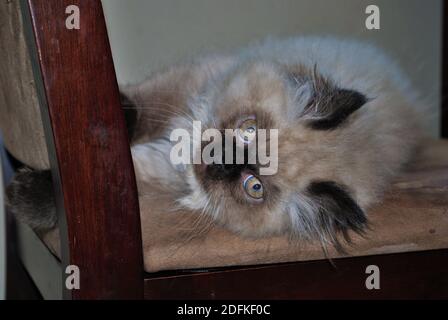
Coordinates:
<point>219,171</point>
<point>224,171</point>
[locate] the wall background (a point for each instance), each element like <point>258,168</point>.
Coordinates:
<point>148,34</point>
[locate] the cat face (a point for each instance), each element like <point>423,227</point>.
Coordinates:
<point>308,195</point>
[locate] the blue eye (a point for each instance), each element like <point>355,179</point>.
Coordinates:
<point>248,130</point>
<point>253,187</point>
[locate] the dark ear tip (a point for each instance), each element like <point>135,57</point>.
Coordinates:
<point>339,213</point>
<point>340,104</point>
<point>347,240</point>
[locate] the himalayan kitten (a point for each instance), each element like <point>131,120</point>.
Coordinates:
<point>346,120</point>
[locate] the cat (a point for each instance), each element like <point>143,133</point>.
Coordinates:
<point>348,121</point>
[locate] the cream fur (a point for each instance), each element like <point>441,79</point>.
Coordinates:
<point>363,155</point>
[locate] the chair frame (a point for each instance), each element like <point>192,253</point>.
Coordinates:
<point>97,198</point>
<point>88,147</point>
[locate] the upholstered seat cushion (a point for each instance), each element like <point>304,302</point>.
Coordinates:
<point>412,217</point>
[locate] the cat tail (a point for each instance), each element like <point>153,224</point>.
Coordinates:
<point>30,198</point>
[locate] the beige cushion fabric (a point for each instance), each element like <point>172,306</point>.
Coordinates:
<point>20,120</point>
<point>413,217</point>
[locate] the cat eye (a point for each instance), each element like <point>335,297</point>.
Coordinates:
<point>253,187</point>
<point>248,130</point>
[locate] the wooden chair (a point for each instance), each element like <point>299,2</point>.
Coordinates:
<point>97,199</point>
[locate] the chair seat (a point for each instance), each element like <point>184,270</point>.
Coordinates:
<point>412,217</point>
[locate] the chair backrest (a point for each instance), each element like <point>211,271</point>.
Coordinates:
<point>74,85</point>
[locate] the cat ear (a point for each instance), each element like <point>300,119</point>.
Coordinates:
<point>331,108</point>
<point>337,211</point>
<point>323,104</point>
